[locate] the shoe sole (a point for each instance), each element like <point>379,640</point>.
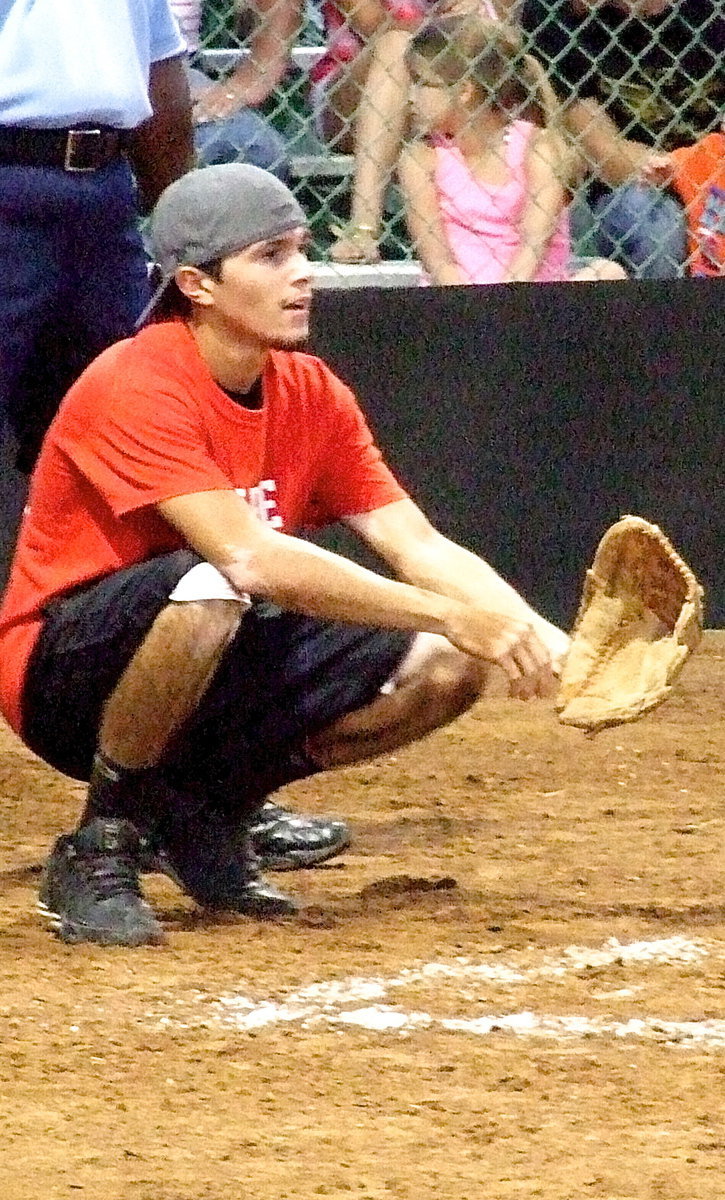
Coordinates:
<point>72,934</point>
<point>299,860</point>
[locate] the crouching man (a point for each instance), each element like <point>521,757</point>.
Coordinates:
<point>167,636</point>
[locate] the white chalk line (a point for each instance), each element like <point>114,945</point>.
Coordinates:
<point>361,1001</point>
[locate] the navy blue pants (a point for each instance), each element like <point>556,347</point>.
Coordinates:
<point>73,280</point>
<point>638,226</point>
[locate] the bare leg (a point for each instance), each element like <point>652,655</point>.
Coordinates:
<point>158,691</point>
<point>434,684</point>
<point>598,269</point>
<point>166,678</point>
<point>339,102</point>
<point>379,132</point>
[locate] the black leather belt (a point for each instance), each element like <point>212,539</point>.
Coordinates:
<point>81,149</point>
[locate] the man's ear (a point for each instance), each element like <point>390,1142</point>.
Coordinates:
<point>196,285</point>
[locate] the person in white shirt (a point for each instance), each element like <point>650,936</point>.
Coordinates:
<point>95,121</point>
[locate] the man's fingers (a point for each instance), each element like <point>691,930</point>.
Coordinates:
<point>548,683</point>
<point>517,648</point>
<point>536,686</point>
<point>529,669</point>
<point>511,669</point>
<point>541,668</point>
<point>522,679</point>
<point>535,652</point>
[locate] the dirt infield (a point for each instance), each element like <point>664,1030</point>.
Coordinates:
<point>512,986</point>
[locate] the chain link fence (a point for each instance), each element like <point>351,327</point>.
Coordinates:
<point>342,98</point>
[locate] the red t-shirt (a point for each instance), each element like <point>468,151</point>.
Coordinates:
<point>146,422</point>
<point>700,180</point>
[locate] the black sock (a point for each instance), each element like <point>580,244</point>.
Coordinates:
<point>145,796</point>
<point>121,793</point>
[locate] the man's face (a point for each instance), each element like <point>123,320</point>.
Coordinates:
<point>264,293</point>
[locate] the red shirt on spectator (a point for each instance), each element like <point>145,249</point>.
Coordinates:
<point>699,178</point>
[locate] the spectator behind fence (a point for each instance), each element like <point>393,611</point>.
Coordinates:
<point>87,102</point>
<point>227,127</point>
<point>381,100</point>
<point>697,173</point>
<point>485,183</point>
<point>635,75</point>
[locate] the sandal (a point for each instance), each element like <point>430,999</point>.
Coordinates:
<point>355,244</point>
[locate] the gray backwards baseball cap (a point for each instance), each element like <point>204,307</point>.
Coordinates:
<point>212,212</point>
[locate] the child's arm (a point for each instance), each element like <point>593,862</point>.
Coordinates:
<point>416,174</point>
<point>543,206</point>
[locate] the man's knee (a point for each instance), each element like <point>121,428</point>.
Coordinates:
<point>207,625</point>
<point>434,685</point>
<point>450,683</point>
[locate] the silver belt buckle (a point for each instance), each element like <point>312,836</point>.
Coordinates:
<point>78,143</point>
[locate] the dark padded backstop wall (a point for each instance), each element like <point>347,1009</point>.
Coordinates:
<point>525,418</point>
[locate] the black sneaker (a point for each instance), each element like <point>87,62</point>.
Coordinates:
<point>287,841</point>
<point>217,867</point>
<point>281,840</point>
<point>90,889</point>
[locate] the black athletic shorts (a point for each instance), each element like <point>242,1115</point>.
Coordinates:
<point>282,677</point>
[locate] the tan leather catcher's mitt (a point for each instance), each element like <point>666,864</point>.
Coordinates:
<point>639,619</point>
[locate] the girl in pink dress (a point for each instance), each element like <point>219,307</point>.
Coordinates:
<point>485,185</point>
<point>360,89</point>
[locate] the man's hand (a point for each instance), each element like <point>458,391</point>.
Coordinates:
<point>217,102</point>
<point>487,617</point>
<point>557,642</point>
<point>658,170</point>
<point>508,643</point>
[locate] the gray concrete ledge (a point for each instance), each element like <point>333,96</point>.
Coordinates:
<point>382,274</point>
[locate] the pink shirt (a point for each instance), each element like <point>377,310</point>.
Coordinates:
<point>481,219</point>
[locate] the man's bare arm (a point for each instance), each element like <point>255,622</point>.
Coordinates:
<point>404,538</point>
<point>162,148</point>
<point>304,578</point>
<point>293,573</point>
